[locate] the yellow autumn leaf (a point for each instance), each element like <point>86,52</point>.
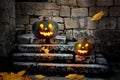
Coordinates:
<point>40,76</point>
<point>79,77</point>
<point>98,16</point>
<point>46,51</point>
<point>13,75</point>
<point>3,73</point>
<point>20,73</point>
<point>71,76</point>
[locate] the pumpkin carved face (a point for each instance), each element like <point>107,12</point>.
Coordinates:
<point>83,47</point>
<point>45,29</point>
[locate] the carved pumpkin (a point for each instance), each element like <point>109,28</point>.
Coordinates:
<point>83,47</point>
<point>45,29</point>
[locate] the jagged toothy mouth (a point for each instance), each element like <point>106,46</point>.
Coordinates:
<point>82,51</point>
<point>46,33</point>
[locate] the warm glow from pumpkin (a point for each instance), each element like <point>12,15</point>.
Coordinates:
<point>46,33</point>
<point>86,45</point>
<point>79,45</point>
<point>82,51</point>
<point>83,47</point>
<point>41,26</point>
<point>50,26</point>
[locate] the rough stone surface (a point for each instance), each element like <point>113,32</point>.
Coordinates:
<point>62,2</point>
<point>70,23</point>
<point>32,20</point>
<point>7,22</point>
<point>25,12</point>
<point>61,26</point>
<point>32,5</point>
<point>28,27</point>
<point>81,34</point>
<point>51,6</point>
<point>72,2</point>
<point>69,34</point>
<point>86,3</point>
<point>83,23</point>
<point>20,27</point>
<point>94,10</point>
<point>104,2</point>
<point>108,38</point>
<point>22,20</point>
<point>61,33</point>
<point>54,1</point>
<point>77,12</point>
<point>64,11</point>
<point>55,13</point>
<point>107,23</point>
<point>118,23</point>
<point>44,13</point>
<point>58,19</point>
<point>117,2</point>
<point>91,24</point>
<point>115,11</point>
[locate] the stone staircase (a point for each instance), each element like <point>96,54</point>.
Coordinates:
<point>61,59</point>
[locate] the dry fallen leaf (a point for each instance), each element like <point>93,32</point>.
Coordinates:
<point>74,76</point>
<point>98,16</point>
<point>13,76</point>
<point>46,51</point>
<point>71,76</point>
<point>40,76</point>
<point>20,73</point>
<point>79,77</point>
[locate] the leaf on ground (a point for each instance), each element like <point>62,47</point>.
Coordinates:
<point>21,73</point>
<point>40,76</point>
<point>71,76</point>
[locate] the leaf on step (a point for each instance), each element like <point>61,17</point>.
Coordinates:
<point>46,51</point>
<point>71,76</point>
<point>40,76</point>
<point>98,16</point>
<point>79,77</point>
<point>21,73</point>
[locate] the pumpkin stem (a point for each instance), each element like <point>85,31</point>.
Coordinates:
<point>85,39</point>
<point>44,19</point>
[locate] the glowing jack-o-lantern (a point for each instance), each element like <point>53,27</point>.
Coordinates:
<point>83,47</point>
<point>45,29</point>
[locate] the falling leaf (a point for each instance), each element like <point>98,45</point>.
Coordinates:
<point>71,76</point>
<point>39,76</point>
<point>46,51</point>
<point>98,16</point>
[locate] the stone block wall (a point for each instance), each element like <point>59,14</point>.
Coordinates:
<point>7,26</point>
<point>73,18</point>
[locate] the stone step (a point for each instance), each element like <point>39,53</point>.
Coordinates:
<point>51,47</point>
<point>30,38</point>
<point>65,67</point>
<point>42,57</point>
